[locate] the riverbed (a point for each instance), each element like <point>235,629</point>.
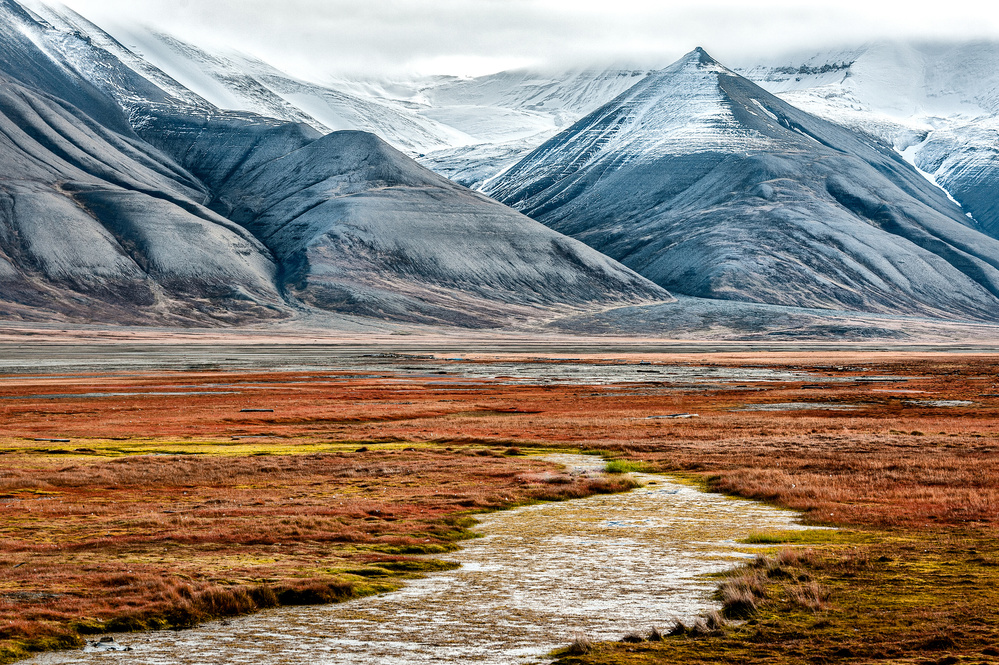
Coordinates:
<point>540,575</point>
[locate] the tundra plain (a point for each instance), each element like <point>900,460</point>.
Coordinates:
<point>159,485</point>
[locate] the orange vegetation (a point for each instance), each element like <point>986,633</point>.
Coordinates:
<point>263,483</point>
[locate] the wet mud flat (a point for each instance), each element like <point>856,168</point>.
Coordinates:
<point>601,566</point>
<point>64,361</point>
<point>608,361</point>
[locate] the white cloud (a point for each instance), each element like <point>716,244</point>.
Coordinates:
<point>312,37</point>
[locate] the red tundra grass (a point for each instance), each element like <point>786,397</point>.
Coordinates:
<point>251,489</point>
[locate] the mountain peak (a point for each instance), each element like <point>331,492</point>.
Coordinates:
<point>703,56</point>
<point>696,72</point>
<point>703,182</point>
<point>698,58</point>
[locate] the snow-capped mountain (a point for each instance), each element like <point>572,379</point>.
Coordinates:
<point>151,179</point>
<point>128,197</point>
<point>229,81</point>
<point>511,113</point>
<point>710,186</point>
<point>935,103</point>
<point>466,129</point>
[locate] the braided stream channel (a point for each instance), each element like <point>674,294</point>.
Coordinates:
<point>602,566</point>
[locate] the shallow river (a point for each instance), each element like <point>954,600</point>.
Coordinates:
<point>602,567</point>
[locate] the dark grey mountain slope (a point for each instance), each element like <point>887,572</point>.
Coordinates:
<point>22,60</point>
<point>95,223</point>
<point>359,227</point>
<point>710,186</point>
<point>936,102</point>
<point>965,161</point>
<point>233,217</point>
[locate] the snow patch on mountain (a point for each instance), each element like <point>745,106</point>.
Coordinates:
<point>937,104</point>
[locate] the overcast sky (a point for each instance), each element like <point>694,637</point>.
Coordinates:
<point>469,37</point>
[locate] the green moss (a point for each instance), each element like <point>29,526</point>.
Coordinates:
<point>450,529</point>
<point>12,650</point>
<point>420,548</point>
<point>320,593</point>
<point>368,571</point>
<point>626,466</point>
<point>803,537</point>
<point>88,626</point>
<point>418,565</point>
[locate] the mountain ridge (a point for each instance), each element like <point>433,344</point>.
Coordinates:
<point>141,218</point>
<point>692,175</point>
<point>705,183</point>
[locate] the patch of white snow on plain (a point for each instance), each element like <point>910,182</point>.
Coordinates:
<point>943,403</point>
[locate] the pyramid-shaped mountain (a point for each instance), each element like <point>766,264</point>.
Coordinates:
<point>708,185</point>
<point>124,202</point>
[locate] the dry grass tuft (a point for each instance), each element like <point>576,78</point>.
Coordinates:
<point>810,595</point>
<point>741,595</point>
<point>580,645</point>
<point>698,628</point>
<point>714,620</point>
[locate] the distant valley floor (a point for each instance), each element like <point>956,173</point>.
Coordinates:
<point>687,321</point>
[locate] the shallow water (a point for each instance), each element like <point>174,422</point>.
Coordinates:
<point>801,406</point>
<point>57,360</point>
<point>602,566</point>
<point>125,394</point>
